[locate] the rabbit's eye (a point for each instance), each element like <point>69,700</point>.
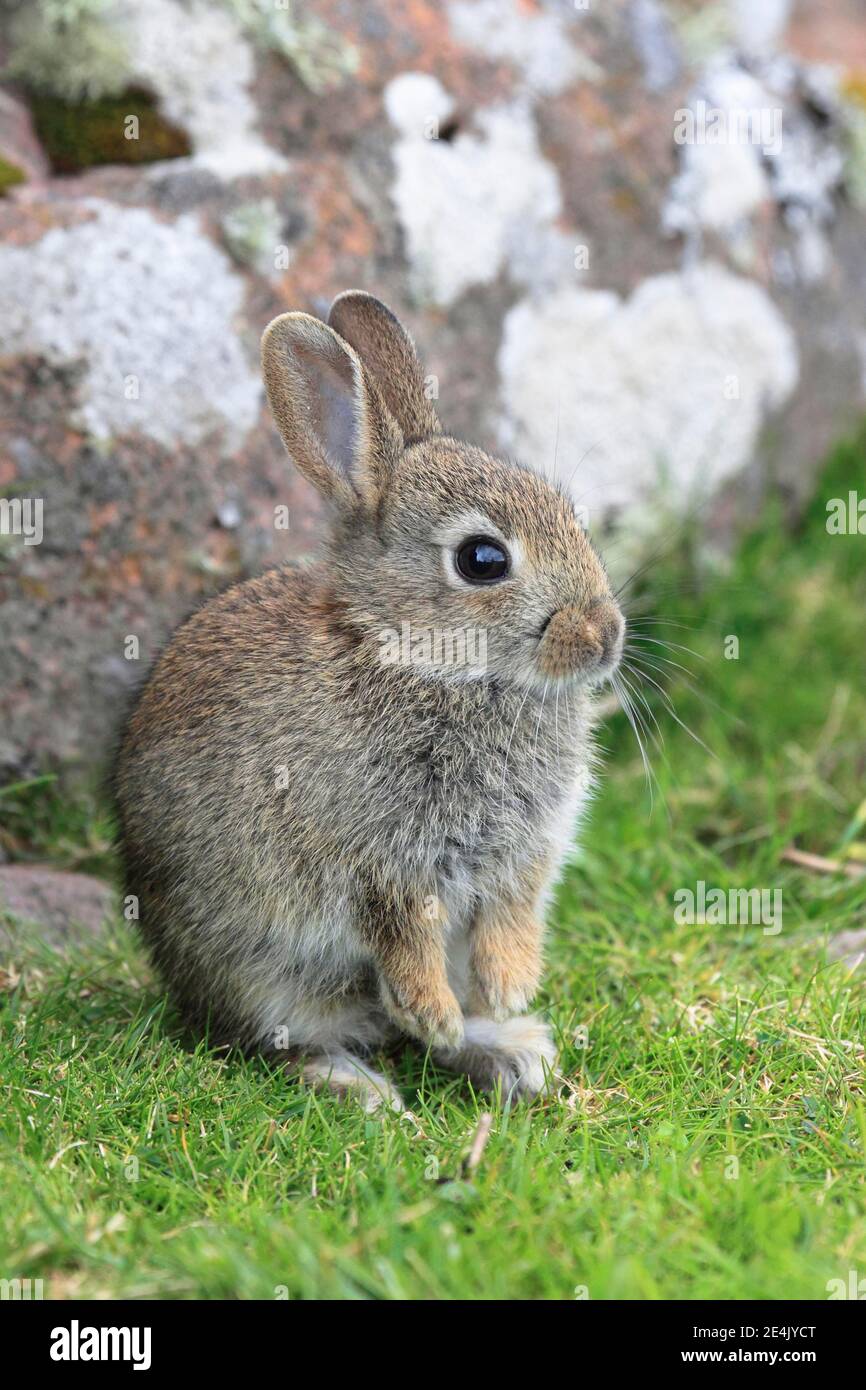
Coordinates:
<point>481,560</point>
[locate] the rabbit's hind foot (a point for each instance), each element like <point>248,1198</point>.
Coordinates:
<point>519,1055</point>
<point>347,1076</point>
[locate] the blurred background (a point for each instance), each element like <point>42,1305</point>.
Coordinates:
<point>628,235</point>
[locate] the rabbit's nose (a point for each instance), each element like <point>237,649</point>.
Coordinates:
<point>582,639</point>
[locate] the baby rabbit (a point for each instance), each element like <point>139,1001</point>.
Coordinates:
<point>347,788</point>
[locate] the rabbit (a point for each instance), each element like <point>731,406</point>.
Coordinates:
<point>340,837</point>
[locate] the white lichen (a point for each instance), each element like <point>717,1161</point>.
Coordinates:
<point>755,143</point>
<point>197,61</point>
<point>534,40</point>
<point>758,25</point>
<point>148,309</point>
<point>717,189</point>
<point>473,205</point>
<point>417,105</point>
<point>723,141</point>
<point>669,386</point>
<point>193,56</point>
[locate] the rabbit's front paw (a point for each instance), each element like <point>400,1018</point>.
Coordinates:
<point>432,1016</point>
<point>506,966</point>
<point>504,988</point>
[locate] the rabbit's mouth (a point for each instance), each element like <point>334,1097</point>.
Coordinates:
<point>583,642</point>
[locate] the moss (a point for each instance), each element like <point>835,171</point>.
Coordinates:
<point>10,175</point>
<point>78,136</point>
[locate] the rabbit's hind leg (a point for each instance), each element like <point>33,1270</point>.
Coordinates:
<point>519,1055</point>
<point>347,1076</point>
<point>326,1039</point>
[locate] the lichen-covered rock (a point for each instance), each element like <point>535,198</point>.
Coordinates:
<point>135,534</point>
<point>473,206</point>
<point>535,40</point>
<point>20,151</point>
<point>630,239</point>
<point>663,393</point>
<point>198,61</point>
<point>149,311</point>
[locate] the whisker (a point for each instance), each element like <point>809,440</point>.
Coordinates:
<point>671,646</point>
<point>581,460</point>
<point>638,694</point>
<point>684,589</point>
<point>682,533</point>
<point>671,711</point>
<point>653,661</point>
<point>508,745</point>
<point>654,657</point>
<point>644,620</point>
<point>628,710</point>
<point>538,725</point>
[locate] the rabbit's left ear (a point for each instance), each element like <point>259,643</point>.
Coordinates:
<point>389,355</point>
<point>330,415</point>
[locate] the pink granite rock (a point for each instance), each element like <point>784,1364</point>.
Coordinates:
<point>63,907</point>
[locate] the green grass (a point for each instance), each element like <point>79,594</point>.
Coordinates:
<point>709,1142</point>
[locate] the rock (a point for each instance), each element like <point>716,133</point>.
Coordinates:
<point>535,41</point>
<point>19,148</point>
<point>848,947</point>
<point>507,175</point>
<point>604,378</point>
<point>654,40</point>
<point>198,61</point>
<point>471,206</point>
<point>132,543</point>
<point>175,373</point>
<point>65,907</point>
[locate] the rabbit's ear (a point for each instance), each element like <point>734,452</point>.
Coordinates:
<point>389,355</point>
<point>331,418</point>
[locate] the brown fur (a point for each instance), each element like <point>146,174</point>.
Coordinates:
<point>505,948</point>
